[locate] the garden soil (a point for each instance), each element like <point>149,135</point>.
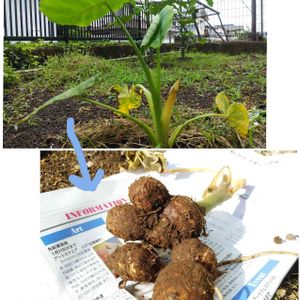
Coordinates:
<point>49,128</point>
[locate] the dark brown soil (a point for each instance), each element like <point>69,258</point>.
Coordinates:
<point>190,97</point>
<point>50,128</point>
<point>57,166</point>
<point>289,288</point>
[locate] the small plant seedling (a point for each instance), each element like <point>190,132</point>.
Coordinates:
<point>185,15</point>
<point>161,133</point>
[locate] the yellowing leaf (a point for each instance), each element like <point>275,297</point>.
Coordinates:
<point>128,97</point>
<point>168,108</point>
<point>237,116</point>
<point>221,188</point>
<point>222,102</point>
<point>149,160</point>
<point>167,112</point>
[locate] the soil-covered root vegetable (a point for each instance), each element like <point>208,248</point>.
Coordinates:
<point>181,219</point>
<point>129,223</point>
<point>123,221</point>
<point>194,250</point>
<point>183,280</point>
<point>136,262</point>
<point>148,194</point>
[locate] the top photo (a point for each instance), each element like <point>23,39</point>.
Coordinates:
<point>134,74</point>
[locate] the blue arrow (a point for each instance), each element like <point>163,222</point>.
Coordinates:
<point>84,183</point>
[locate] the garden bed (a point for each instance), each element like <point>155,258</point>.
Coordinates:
<point>203,76</point>
<point>30,55</point>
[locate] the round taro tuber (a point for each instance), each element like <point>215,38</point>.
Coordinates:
<point>181,219</point>
<point>183,280</point>
<point>123,221</point>
<point>148,194</point>
<point>159,220</point>
<point>195,250</point>
<point>136,262</point>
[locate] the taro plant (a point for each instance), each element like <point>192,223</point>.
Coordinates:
<point>185,17</point>
<point>161,133</point>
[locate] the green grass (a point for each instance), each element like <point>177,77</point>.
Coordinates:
<point>209,73</point>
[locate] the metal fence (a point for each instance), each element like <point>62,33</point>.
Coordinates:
<point>242,19</point>
<point>24,21</point>
<point>227,20</point>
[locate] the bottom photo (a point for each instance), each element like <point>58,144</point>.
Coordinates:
<point>174,224</point>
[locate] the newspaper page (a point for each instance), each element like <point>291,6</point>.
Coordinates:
<point>70,225</point>
<point>76,244</point>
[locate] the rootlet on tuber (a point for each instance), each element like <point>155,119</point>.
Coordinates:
<point>159,130</point>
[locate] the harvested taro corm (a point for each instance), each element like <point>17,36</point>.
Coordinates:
<point>184,280</point>
<point>123,221</point>
<point>148,194</point>
<point>181,219</point>
<point>136,262</point>
<point>194,250</point>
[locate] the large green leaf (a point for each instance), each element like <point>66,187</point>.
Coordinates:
<point>237,116</point>
<point>72,92</point>
<point>78,12</point>
<point>158,29</point>
<point>149,98</point>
